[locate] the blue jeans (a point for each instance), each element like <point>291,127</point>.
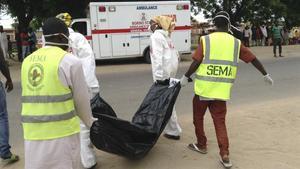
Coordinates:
<point>4,130</point>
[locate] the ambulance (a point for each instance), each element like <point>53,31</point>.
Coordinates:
<point>120,29</point>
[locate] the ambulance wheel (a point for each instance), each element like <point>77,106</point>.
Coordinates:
<point>147,55</point>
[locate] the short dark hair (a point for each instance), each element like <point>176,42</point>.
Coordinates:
<point>53,26</point>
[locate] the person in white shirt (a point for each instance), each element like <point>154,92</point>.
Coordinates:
<point>247,36</point>
<point>264,32</point>
<point>80,47</point>
<point>164,61</point>
<point>62,152</point>
<point>4,41</point>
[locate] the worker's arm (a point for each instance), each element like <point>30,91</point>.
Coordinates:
<point>71,74</point>
<point>197,60</point>
<point>192,69</point>
<point>257,64</point>
<point>247,56</point>
<point>5,71</point>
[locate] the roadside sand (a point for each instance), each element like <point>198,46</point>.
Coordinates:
<point>262,135</point>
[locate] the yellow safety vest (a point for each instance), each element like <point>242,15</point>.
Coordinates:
<point>48,110</point>
<point>217,72</point>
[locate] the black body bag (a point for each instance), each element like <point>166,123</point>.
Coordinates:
<point>134,139</point>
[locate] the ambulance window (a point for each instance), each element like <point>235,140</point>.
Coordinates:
<point>80,27</point>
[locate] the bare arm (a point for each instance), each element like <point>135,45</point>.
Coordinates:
<point>257,64</point>
<point>194,66</point>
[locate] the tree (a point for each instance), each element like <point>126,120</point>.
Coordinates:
<point>292,17</point>
<point>243,10</point>
<point>27,10</point>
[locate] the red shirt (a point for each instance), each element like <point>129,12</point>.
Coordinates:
<point>245,54</point>
<point>24,39</point>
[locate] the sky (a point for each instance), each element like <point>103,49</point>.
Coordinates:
<point>6,20</point>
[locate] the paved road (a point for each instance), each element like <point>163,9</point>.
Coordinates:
<point>125,83</point>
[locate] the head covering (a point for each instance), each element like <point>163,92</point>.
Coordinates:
<point>165,22</point>
<point>224,15</point>
<point>55,26</point>
<point>65,17</point>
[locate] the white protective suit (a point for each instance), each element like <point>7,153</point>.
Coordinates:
<point>4,43</point>
<point>164,61</point>
<point>81,48</point>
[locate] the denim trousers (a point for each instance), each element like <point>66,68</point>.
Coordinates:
<point>4,130</point>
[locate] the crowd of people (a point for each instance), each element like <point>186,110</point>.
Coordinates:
<point>262,35</point>
<point>25,43</point>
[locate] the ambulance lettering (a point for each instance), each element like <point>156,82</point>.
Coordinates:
<point>146,8</point>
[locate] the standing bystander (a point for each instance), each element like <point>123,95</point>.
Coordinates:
<point>247,35</point>
<point>277,39</point>
<point>264,32</point>
<point>24,43</point>
<point>3,39</point>
<point>6,156</point>
<point>31,40</point>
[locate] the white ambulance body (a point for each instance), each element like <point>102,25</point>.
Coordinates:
<point>120,29</point>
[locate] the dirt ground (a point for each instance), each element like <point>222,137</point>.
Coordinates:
<point>262,136</point>
<point>264,130</point>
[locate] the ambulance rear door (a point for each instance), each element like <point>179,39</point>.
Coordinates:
<point>125,37</point>
<point>101,36</point>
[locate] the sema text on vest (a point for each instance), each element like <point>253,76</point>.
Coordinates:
<point>219,70</point>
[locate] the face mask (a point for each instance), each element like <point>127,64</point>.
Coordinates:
<point>152,29</point>
<point>149,29</point>
<point>59,44</point>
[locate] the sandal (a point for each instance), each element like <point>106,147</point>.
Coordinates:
<point>12,159</point>
<point>194,147</point>
<point>226,163</point>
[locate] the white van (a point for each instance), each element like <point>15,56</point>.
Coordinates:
<point>120,29</point>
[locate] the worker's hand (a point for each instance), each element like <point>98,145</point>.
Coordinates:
<point>9,85</point>
<point>268,79</point>
<point>184,81</point>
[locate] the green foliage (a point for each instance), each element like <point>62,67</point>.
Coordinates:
<point>253,10</point>
<point>27,10</point>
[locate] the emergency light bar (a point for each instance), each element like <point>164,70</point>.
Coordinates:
<point>102,9</point>
<point>183,7</point>
<point>112,9</point>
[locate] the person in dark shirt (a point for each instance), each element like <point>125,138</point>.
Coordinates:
<point>5,154</point>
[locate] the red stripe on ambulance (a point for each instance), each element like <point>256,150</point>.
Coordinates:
<point>109,31</point>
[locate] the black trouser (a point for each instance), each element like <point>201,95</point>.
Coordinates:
<point>19,48</point>
<point>277,42</point>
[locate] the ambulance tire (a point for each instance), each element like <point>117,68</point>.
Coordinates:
<point>147,55</point>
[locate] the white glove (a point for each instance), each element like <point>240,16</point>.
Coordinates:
<point>184,81</point>
<point>268,79</point>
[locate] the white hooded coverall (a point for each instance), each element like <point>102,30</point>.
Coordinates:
<point>164,61</point>
<point>81,48</point>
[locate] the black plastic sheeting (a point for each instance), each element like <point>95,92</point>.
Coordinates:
<point>134,139</point>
